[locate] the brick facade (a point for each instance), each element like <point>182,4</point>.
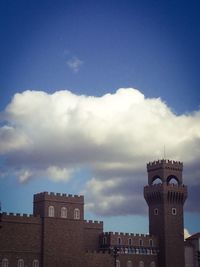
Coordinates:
<point>56,235</point>
<point>165,201</point>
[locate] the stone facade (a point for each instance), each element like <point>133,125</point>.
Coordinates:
<point>56,235</point>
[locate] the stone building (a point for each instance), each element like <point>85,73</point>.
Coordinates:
<point>56,235</point>
<point>192,251</point>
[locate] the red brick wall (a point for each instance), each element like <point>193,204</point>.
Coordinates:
<point>20,237</point>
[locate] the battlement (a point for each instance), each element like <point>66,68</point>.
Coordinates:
<point>165,164</point>
<point>28,218</point>
<point>25,215</point>
<point>58,197</point>
<point>120,234</point>
<point>90,222</point>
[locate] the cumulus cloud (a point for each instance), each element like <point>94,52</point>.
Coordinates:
<point>53,135</point>
<point>74,64</point>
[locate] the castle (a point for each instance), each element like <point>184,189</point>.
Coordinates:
<point>56,235</point>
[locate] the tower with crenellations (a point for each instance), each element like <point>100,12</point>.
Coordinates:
<point>165,195</point>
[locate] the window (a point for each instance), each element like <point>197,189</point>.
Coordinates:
<point>153,264</point>
<point>141,264</point>
<point>76,214</point>
<point>20,263</point>
<point>173,211</point>
<point>129,263</point>
<point>140,242</point>
<point>117,263</point>
<point>119,241</point>
<point>150,242</point>
<point>5,263</point>
<point>104,240</point>
<point>51,211</point>
<point>35,263</point>
<point>63,212</point>
<point>130,241</point>
<point>155,211</point>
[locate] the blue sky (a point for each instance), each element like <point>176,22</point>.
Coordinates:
<point>93,48</point>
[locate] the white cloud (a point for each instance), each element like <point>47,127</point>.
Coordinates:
<point>58,174</point>
<point>25,176</point>
<point>12,139</point>
<point>74,64</point>
<point>186,233</point>
<point>113,135</point>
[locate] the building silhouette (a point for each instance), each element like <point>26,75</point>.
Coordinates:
<point>56,235</point>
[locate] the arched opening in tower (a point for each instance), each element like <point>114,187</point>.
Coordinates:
<point>173,180</point>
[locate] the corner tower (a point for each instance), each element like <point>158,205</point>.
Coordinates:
<point>165,195</point>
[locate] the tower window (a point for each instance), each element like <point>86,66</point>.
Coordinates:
<point>20,263</point>
<point>51,211</point>
<point>5,263</point>
<point>155,211</point>
<point>173,211</point>
<point>141,264</point>
<point>63,212</point>
<point>153,264</point>
<point>77,214</point>
<point>129,263</point>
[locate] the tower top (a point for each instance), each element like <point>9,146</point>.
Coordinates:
<point>46,196</point>
<point>165,170</point>
<point>165,163</point>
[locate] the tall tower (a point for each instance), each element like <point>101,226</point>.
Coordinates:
<point>165,200</point>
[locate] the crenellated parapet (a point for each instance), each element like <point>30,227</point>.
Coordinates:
<point>93,224</point>
<point>122,234</point>
<point>58,197</point>
<point>17,217</point>
<point>170,164</point>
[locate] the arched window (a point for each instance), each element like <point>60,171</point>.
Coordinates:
<point>20,263</point>
<point>141,264</point>
<point>172,180</point>
<point>119,241</point>
<point>129,241</point>
<point>140,242</point>
<point>155,211</point>
<point>63,212</point>
<point>51,211</point>
<point>156,180</point>
<point>76,214</point>
<point>153,264</point>
<point>5,263</point>
<point>150,242</point>
<point>35,263</point>
<point>117,263</point>
<point>173,211</point>
<point>129,263</point>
